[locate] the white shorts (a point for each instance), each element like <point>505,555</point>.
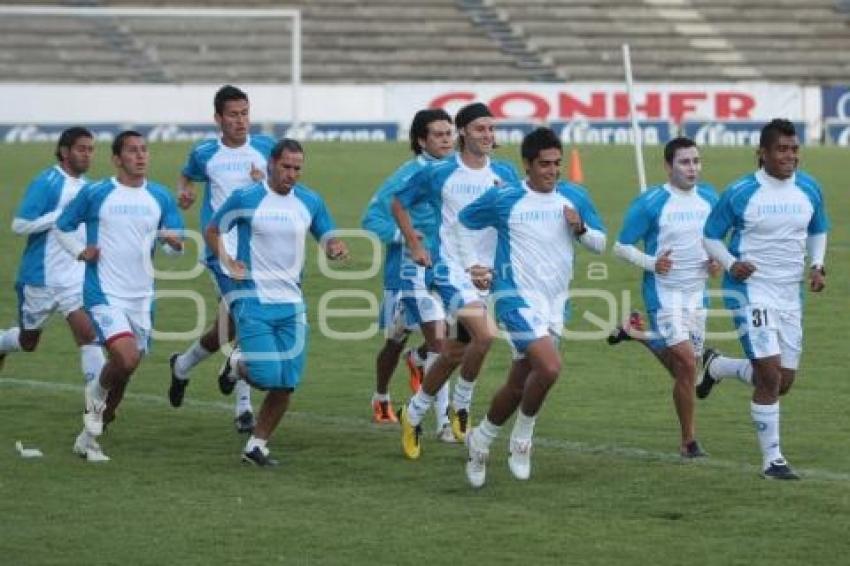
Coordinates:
<point>524,326</point>
<point>113,322</point>
<point>403,311</point>
<point>671,326</point>
<point>36,304</point>
<point>766,331</point>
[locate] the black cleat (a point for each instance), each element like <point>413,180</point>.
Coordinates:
<point>245,422</point>
<point>178,386</point>
<point>258,458</point>
<point>779,470</point>
<point>2,360</point>
<point>622,332</point>
<point>707,382</point>
<point>693,450</point>
<point>226,383</point>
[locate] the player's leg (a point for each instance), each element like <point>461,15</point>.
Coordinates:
<point>91,354</point>
<point>391,320</point>
<point>35,305</point>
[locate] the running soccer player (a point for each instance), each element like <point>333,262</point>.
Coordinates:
<point>669,219</point>
<point>123,217</point>
<point>234,160</point>
<point>777,216</point>
<point>538,221</point>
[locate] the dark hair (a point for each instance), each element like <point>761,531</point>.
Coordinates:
<point>675,145</point>
<point>774,129</point>
<point>118,142</point>
<point>286,144</point>
<point>225,94</point>
<point>538,140</point>
<point>419,126</point>
<point>467,115</point>
<point>69,137</point>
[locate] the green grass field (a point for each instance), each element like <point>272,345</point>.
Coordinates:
<point>607,486</point>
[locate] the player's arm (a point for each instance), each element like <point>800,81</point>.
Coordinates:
<point>222,222</point>
<point>74,214</point>
<point>322,227</point>
<point>185,192</point>
<point>635,227</point>
<point>413,191</point>
<point>719,222</point>
<point>816,243</point>
<point>379,220</point>
<point>171,227</point>
<point>37,211</point>
<point>591,230</point>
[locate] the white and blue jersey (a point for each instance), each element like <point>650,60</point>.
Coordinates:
<point>770,220</point>
<point>45,263</point>
<point>535,252</point>
<point>224,169</point>
<point>123,222</point>
<point>271,230</point>
<point>666,219</point>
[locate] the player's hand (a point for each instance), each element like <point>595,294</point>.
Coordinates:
<point>481,276</point>
<point>817,279</point>
<point>420,255</point>
<point>741,270</point>
<point>90,254</point>
<point>235,268</point>
<point>173,242</point>
<point>185,198</point>
<point>664,263</point>
<point>714,268</point>
<point>257,174</point>
<point>574,221</point>
<point>336,250</point>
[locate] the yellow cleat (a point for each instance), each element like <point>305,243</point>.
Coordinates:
<point>409,436</point>
<point>461,422</point>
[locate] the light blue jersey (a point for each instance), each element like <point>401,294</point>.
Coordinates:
<point>535,248</point>
<point>379,220</point>
<point>123,222</point>
<point>271,231</point>
<point>45,263</point>
<point>770,220</point>
<point>666,219</point>
<point>224,169</point>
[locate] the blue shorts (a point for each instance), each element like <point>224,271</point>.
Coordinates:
<point>523,327</point>
<point>273,339</point>
<point>224,285</point>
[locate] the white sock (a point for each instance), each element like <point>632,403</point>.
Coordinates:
<point>766,419</point>
<point>523,426</point>
<point>417,359</point>
<point>9,340</point>
<point>721,367</point>
<point>243,397</point>
<point>441,406</point>
<point>418,406</point>
<point>255,442</point>
<point>92,361</point>
<point>485,433</point>
<point>97,390</point>
<point>189,359</point>
<point>381,397</point>
<point>462,394</point>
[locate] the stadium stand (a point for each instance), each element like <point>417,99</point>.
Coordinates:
<point>441,40</point>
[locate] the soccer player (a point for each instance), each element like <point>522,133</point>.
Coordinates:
<point>538,221</point>
<point>669,219</point>
<point>49,278</point>
<point>430,141</point>
<point>234,160</point>
<point>272,219</point>
<point>461,262</point>
<point>777,216</point>
<point>123,216</point>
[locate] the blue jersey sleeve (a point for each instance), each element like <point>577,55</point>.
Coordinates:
<point>636,224</point>
<point>195,168</point>
<point>722,217</point>
<point>586,208</point>
<point>322,222</point>
<point>230,213</point>
<point>42,196</point>
<point>77,211</point>
<point>819,222</point>
<point>171,219</point>
<point>416,189</point>
<point>483,212</point>
<point>378,218</point>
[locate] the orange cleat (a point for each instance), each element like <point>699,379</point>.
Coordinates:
<point>383,413</point>
<point>415,370</point>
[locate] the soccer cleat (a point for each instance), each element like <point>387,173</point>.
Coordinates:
<point>245,422</point>
<point>410,436</point>
<point>178,386</point>
<point>707,382</point>
<point>383,413</point>
<point>779,470</point>
<point>692,450</point>
<point>87,447</point>
<point>93,415</point>
<point>2,361</point>
<point>259,457</point>
<point>460,422</point>
<point>519,460</point>
<point>623,332</point>
<point>476,463</point>
<point>227,377</point>
<point>445,434</point>
<point>415,370</point>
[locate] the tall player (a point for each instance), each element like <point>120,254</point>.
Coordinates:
<point>777,217</point>
<point>462,262</point>
<point>669,219</point>
<point>123,216</point>
<point>538,221</point>
<point>234,160</point>
<point>49,278</point>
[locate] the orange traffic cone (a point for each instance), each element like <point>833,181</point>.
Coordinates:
<point>576,174</point>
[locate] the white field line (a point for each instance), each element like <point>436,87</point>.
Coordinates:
<point>363,425</point>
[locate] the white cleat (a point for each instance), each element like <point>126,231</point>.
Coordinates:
<point>93,416</point>
<point>476,465</point>
<point>87,447</point>
<point>446,435</point>
<point>520,459</point>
